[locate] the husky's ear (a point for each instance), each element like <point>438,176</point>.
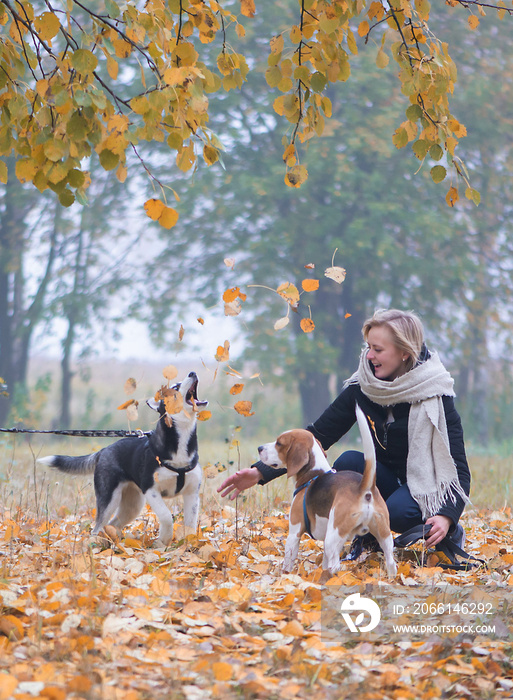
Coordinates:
<point>155,405</point>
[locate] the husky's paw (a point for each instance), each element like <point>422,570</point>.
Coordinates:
<point>161,544</point>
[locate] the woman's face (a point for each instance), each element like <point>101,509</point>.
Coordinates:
<point>386,358</point>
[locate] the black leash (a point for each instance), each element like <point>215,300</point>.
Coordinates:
<point>80,433</point>
<point>451,550</point>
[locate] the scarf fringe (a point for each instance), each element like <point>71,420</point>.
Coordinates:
<point>431,503</point>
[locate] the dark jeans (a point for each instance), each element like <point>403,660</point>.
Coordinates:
<point>404,510</point>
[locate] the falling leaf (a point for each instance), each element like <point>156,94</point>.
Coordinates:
<point>281,323</point>
<point>310,285</point>
<point>204,415</point>
<point>244,408</point>
<point>201,320</point>
<point>231,294</point>
<point>223,352</point>
<point>125,405</point>
<point>170,372</point>
<point>130,386</point>
<point>289,292</point>
<point>236,389</point>
<point>337,274</point>
<point>229,262</point>
<point>233,371</point>
<point>132,412</point>
<point>310,266</point>
<point>233,308</point>
<point>473,22</point>
<point>173,401</point>
<point>307,325</point>
<point>348,315</point>
<point>247,8</point>
<point>181,333</point>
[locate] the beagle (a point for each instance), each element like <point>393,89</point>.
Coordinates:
<point>330,506</point>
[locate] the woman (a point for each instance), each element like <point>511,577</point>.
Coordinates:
<point>422,471</point>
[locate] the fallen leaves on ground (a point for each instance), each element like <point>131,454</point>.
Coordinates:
<point>212,616</point>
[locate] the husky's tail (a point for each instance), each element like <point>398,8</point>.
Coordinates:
<point>72,465</point>
<point>369,452</point>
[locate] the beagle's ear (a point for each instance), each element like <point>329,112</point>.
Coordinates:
<point>298,456</point>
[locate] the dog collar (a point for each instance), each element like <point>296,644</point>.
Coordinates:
<point>305,514</point>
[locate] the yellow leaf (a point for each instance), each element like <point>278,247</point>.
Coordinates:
<point>452,196</point>
<point>244,408</point>
<point>125,405</point>
<point>47,25</point>
<point>290,292</point>
<point>363,28</point>
<point>210,154</point>
<point>201,320</point>
<point>289,155</point>
<point>112,67</point>
<point>3,172</point>
<point>473,22</point>
<point>168,217</point>
<point>130,386</point>
<point>382,59</point>
<point>223,352</point>
<point>459,130</point>
<point>11,627</point>
<point>231,294</point>
<point>247,7</point>
<point>204,415</point>
<point>170,372</point>
<point>296,176</point>
<point>310,285</point>
<point>173,402</point>
<point>307,325</point>
<point>8,685</point>
<point>236,389</point>
<point>154,208</point>
<point>181,333</point>
<point>222,670</point>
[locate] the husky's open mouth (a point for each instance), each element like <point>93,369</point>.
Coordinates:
<point>191,396</point>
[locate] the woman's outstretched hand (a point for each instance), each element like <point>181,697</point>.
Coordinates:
<point>240,481</point>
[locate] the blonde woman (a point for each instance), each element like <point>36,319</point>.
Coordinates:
<point>404,389</point>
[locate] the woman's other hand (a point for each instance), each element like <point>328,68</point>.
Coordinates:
<point>440,525</point>
<point>240,481</point>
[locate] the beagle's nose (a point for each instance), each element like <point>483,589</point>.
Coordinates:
<point>260,449</point>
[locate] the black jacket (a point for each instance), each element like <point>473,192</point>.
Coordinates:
<point>392,438</point>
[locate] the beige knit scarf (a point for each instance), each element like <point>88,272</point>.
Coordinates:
<point>430,470</point>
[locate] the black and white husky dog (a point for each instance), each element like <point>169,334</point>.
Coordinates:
<point>160,464</point>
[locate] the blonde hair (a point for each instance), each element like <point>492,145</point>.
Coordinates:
<point>406,328</point>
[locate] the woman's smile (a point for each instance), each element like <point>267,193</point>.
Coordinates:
<point>387,360</point>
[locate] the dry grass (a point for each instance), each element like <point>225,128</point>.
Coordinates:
<point>30,488</point>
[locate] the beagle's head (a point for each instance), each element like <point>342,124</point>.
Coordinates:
<point>293,449</point>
